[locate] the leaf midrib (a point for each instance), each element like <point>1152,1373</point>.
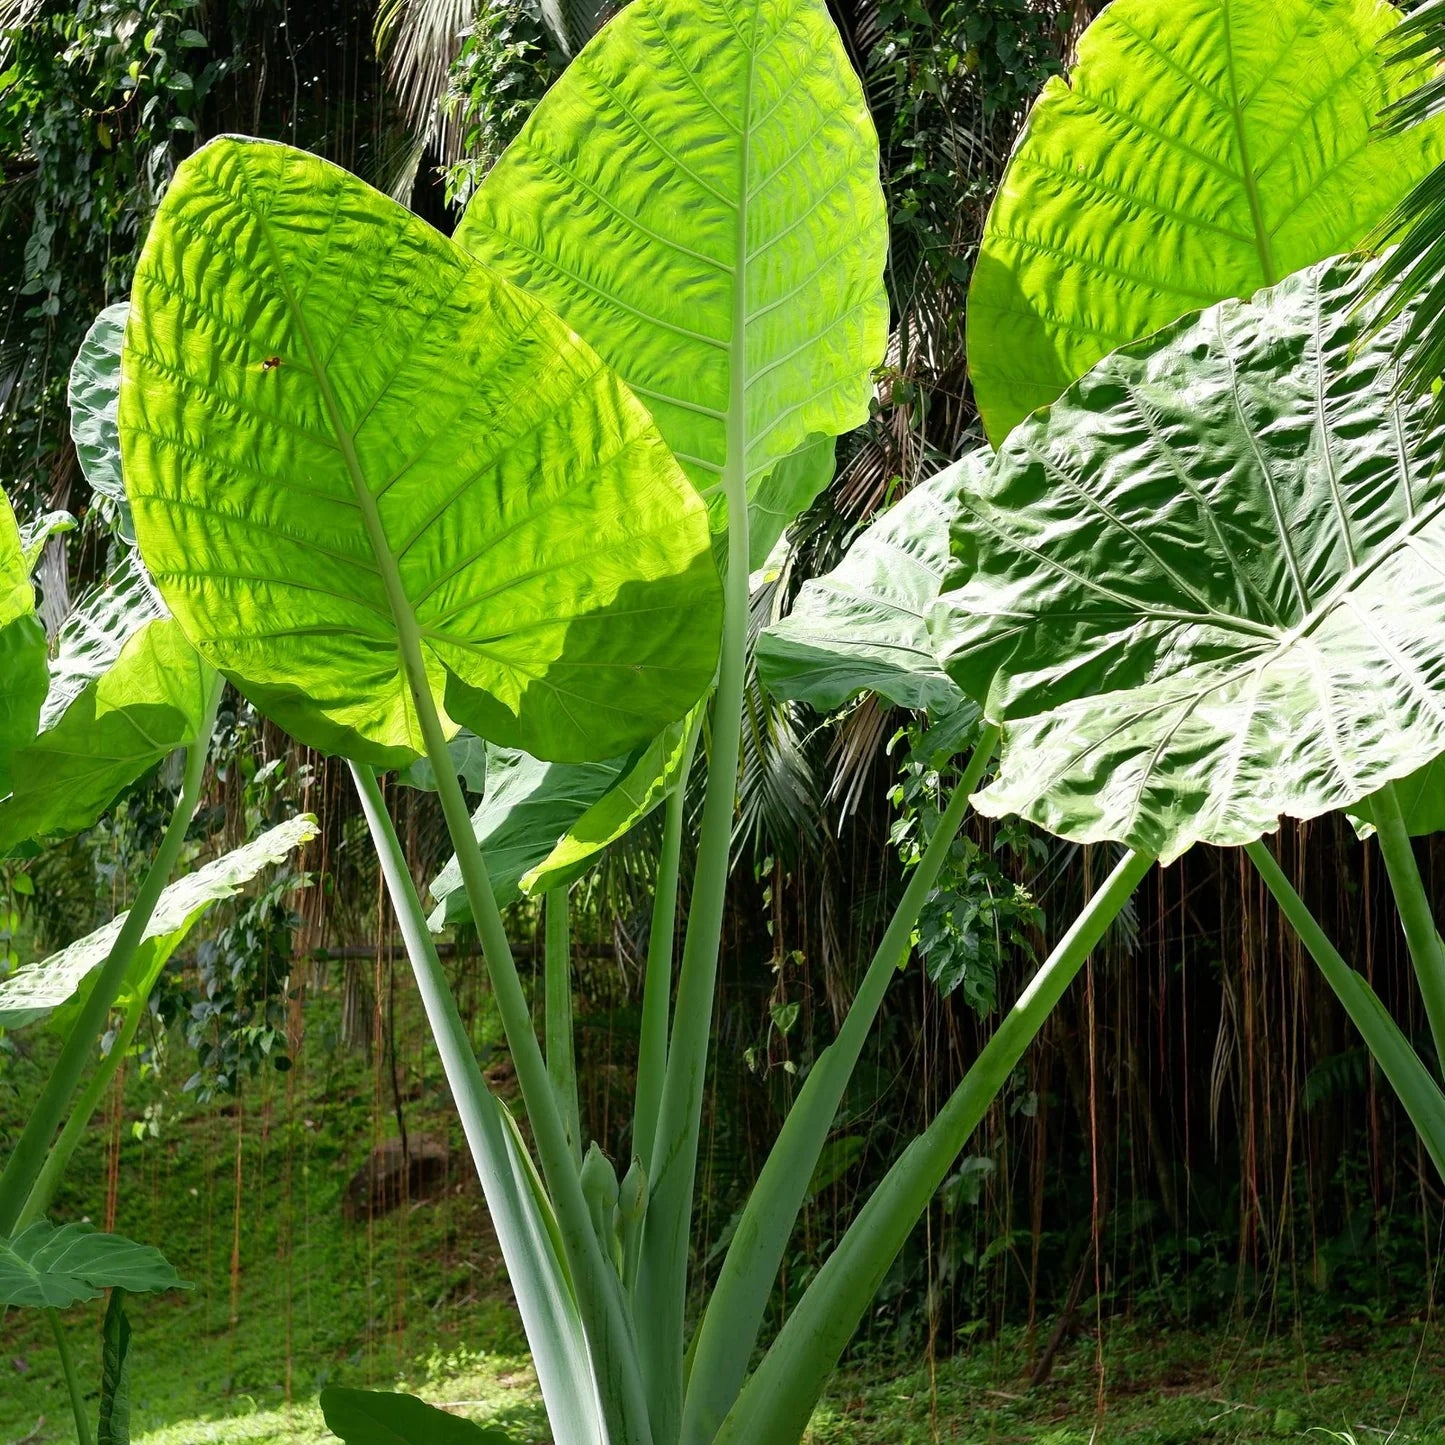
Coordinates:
<point>1247,175</point>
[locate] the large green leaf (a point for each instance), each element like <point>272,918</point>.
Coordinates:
<point>34,992</point>
<point>23,674</point>
<point>1421,797</point>
<point>542,824</point>
<point>698,195</point>
<point>863,627</point>
<point>1199,149</point>
<point>94,397</point>
<point>1207,587</point>
<point>379,1417</point>
<point>346,444</point>
<point>46,1266</point>
<point>126,690</point>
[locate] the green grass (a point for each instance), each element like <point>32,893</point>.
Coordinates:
<point>1170,1388</point>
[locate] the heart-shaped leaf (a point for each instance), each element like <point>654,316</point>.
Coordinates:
<point>23,673</point>
<point>1207,587</point>
<point>50,1267</point>
<point>126,690</point>
<point>1199,149</point>
<point>36,991</point>
<point>94,397</point>
<point>378,1417</point>
<point>346,445</point>
<point>863,627</point>
<point>698,195</point>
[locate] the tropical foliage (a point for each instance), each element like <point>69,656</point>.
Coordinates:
<point>493,509</point>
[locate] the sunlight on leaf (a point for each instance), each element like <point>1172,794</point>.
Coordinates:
<point>1207,587</point>
<point>1197,150</point>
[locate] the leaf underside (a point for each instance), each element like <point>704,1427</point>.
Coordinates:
<point>36,991</point>
<point>1199,149</point>
<point>863,627</point>
<point>94,396</point>
<point>699,168</point>
<point>23,673</point>
<point>1207,587</point>
<point>339,432</point>
<point>125,690</point>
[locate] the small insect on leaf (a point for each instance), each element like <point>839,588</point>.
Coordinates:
<point>271,363</point>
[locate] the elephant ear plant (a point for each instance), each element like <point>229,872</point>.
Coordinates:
<point>393,486</point>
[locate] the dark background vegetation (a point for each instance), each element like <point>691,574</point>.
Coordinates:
<point>1198,1136</point>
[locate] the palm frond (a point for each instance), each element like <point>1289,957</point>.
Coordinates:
<point>420,40</point>
<point>1413,273</point>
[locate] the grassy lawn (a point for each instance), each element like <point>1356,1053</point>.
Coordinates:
<point>1166,1389</point>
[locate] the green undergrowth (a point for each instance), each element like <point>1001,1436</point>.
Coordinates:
<point>1170,1387</point>
<point>417,1298</point>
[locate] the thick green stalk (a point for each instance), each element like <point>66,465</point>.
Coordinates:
<point>775,1405</point>
<point>561,1047</point>
<point>1423,938</point>
<point>28,1158</point>
<point>599,1291</point>
<point>1408,1076</point>
<point>667,1230</point>
<point>544,1294</point>
<point>72,1380</point>
<point>739,1302</point>
<point>661,944</point>
<point>80,1116</point>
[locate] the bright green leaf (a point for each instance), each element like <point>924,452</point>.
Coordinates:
<point>376,1417</point>
<point>23,673</point>
<point>36,991</point>
<point>94,397</point>
<point>1199,149</point>
<point>786,492</point>
<point>863,627</point>
<point>344,439</point>
<point>698,195</point>
<point>1207,587</point>
<point>50,1267</point>
<point>126,690</point>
